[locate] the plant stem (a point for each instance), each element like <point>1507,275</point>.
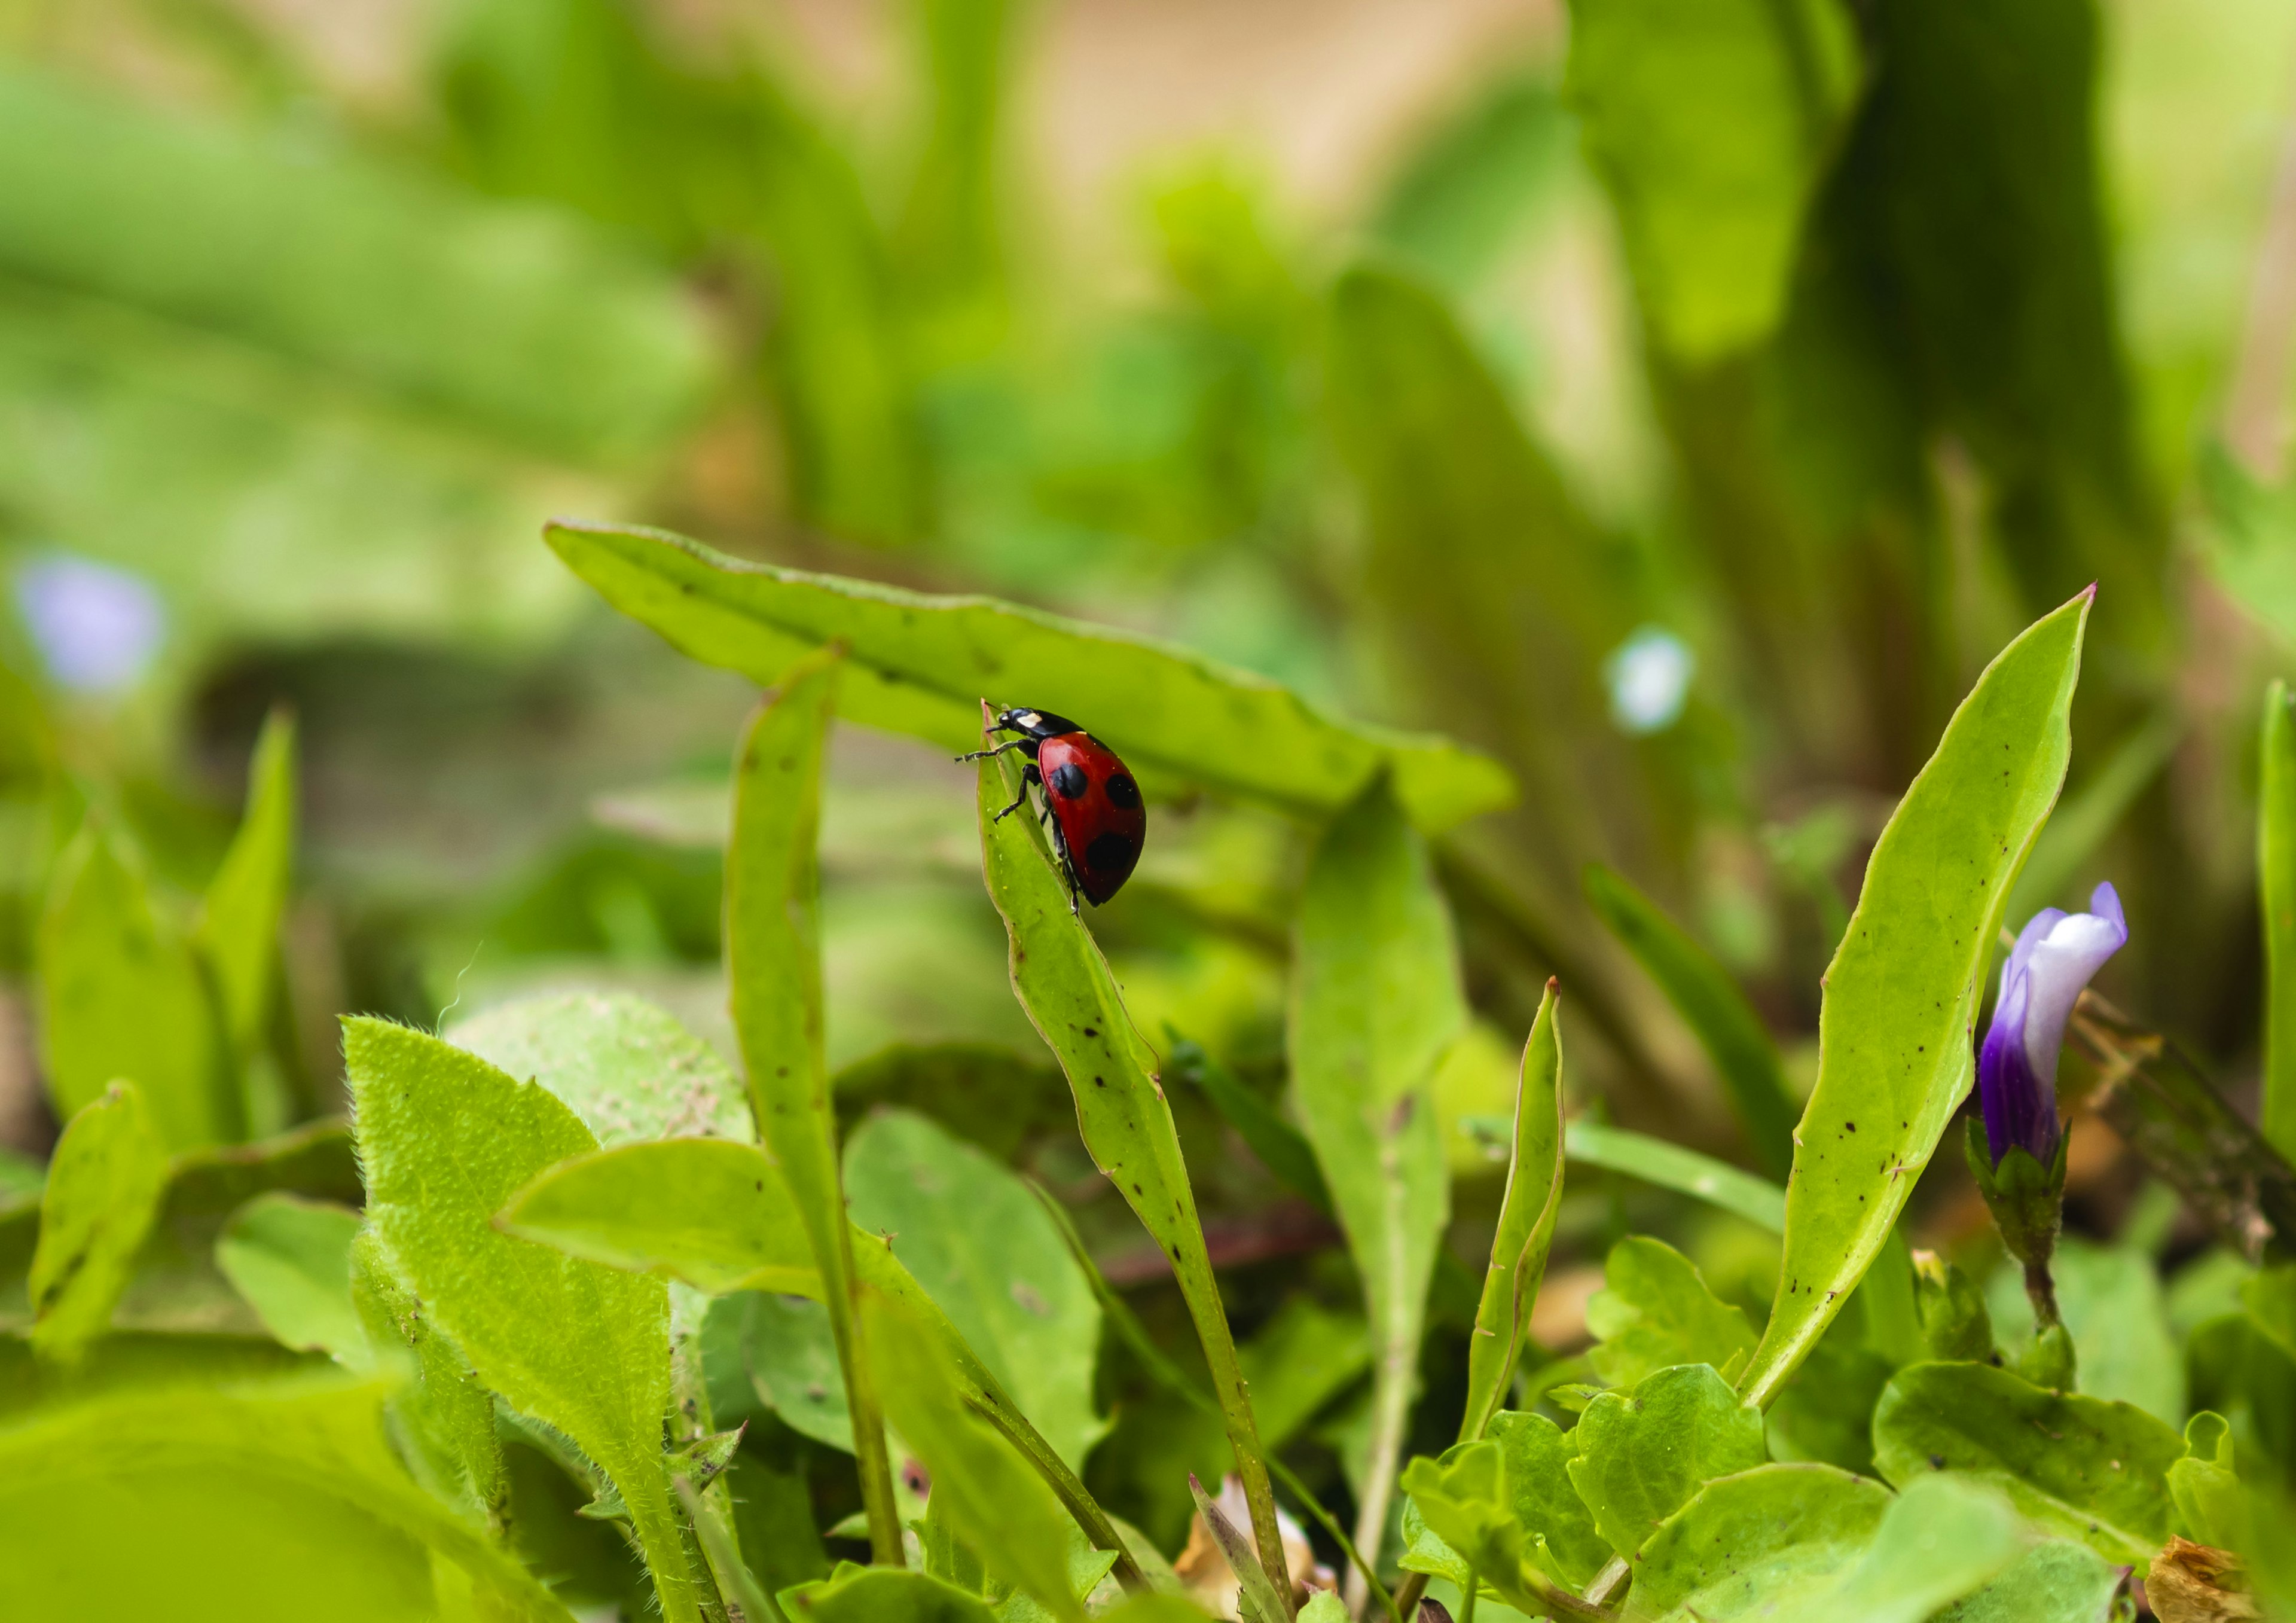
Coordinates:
<point>1474,1592</point>
<point>2041,1291</point>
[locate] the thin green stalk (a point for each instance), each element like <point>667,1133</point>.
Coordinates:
<point>1176,1380</point>
<point>772,961</point>
<point>2276,862</point>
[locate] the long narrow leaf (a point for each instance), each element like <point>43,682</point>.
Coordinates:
<point>918,664</point>
<point>1375,1003</point>
<point>1526,1229</point>
<point>1901,996</point>
<point>1654,1161</point>
<point>2275,863</point>
<point>1712,1005</point>
<point>1064,984</point>
<point>773,965</point>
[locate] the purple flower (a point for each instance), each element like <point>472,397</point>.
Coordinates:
<point>2055,957</point>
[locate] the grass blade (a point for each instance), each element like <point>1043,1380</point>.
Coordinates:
<point>773,965</point>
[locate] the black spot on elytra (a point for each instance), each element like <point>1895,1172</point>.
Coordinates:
<point>1123,792</point>
<point>1110,853</point>
<point>1067,781</point>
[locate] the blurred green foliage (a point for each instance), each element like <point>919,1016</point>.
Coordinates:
<point>1679,411</point>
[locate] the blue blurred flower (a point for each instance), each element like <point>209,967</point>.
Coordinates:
<point>1649,678</point>
<point>2055,957</point>
<point>97,629</point>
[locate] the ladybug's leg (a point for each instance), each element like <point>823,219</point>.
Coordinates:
<point>1029,776</point>
<point>1010,743</point>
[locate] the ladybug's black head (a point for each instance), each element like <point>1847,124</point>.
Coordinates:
<point>1034,724</point>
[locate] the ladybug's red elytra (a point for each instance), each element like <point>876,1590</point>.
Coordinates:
<point>1092,802</point>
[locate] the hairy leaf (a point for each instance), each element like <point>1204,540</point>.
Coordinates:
<point>677,1208</point>
<point>624,1065</point>
<point>103,1191</point>
<point>2093,1471</point>
<point>1643,1455</point>
<point>920,665</point>
<point>1901,996</point>
<point>442,1420</point>
<point>446,1140</point>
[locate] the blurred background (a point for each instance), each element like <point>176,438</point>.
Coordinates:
<point>1683,412</point>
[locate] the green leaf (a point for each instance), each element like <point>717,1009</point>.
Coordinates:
<point>103,1191</point>
<point>1536,1453</point>
<point>1256,1600</point>
<point>1482,569</point>
<point>1901,996</point>
<point>2276,866</point>
<point>264,1501</point>
<point>1757,1539</point>
<point>1654,1310</point>
<point>1375,1003</point>
<point>975,1239</point>
<point>239,927</point>
<point>711,1212</point>
<point>1463,1499</point>
<point>987,1492</point>
<point>1710,125</point>
<point>446,1140</point>
<point>773,965</point>
<point>623,1064</point>
<point>1072,998</point>
<point>791,1354</point>
<point>677,1208</point>
<point>2244,540</point>
<point>1526,1226</point>
<point>291,1259</point>
<point>1281,1147</point>
<point>121,996</point>
<point>916,664</point>
<point>1669,1166</point>
<point>1641,1456</point>
<point>443,1420</point>
<point>2057,1581</point>
<point>2093,1471</point>
<point>1825,1412</point>
<point>773,1510</point>
<point>1461,198</point>
<point>2212,1507</point>
<point>515,317</point>
<point>988,1095</point>
<point>1713,1007</point>
<point>879,1594</point>
<point>1941,1538</point>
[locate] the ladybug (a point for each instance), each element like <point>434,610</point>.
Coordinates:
<point>1092,802</point>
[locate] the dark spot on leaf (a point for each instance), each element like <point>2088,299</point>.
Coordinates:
<point>1937,1461</point>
